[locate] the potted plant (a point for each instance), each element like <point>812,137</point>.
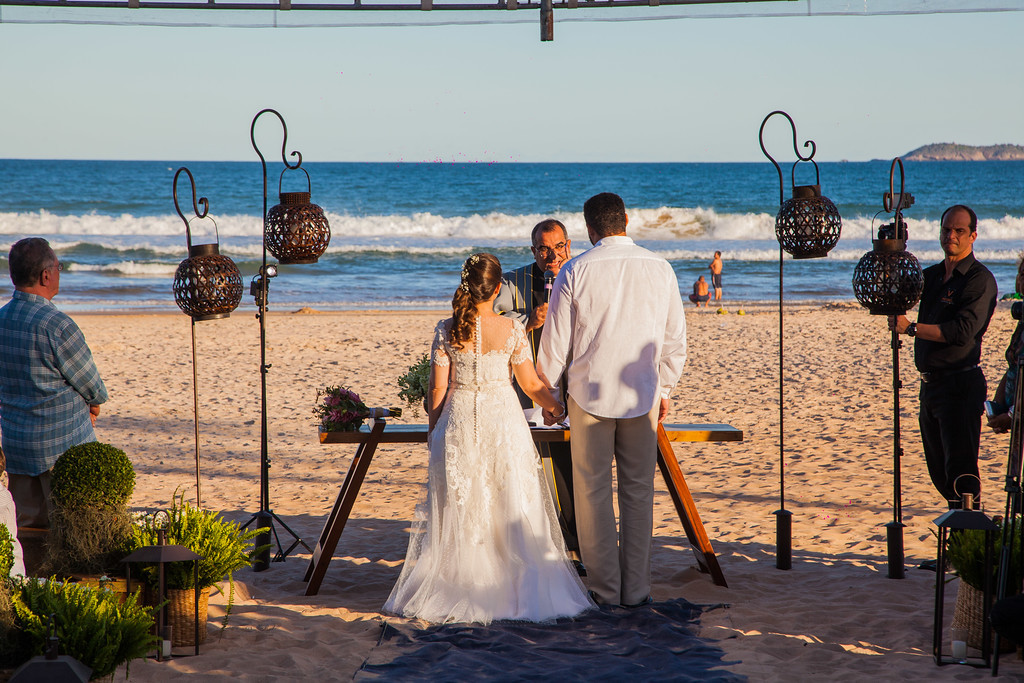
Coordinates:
<point>95,626</point>
<point>224,546</point>
<point>966,552</point>
<point>414,382</point>
<point>339,409</point>
<point>90,524</point>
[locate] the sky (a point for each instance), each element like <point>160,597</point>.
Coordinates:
<point>684,90</point>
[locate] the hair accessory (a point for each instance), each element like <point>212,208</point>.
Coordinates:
<point>464,287</point>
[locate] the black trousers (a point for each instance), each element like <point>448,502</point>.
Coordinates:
<point>950,420</point>
<point>561,467</point>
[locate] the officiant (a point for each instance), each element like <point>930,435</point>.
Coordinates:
<point>524,296</point>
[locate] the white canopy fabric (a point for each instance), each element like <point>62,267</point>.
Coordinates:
<point>350,13</point>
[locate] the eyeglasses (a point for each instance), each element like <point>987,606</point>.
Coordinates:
<point>545,252</point>
<point>58,265</point>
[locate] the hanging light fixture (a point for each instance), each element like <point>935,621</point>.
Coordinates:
<point>888,280</point>
<point>297,230</point>
<point>807,226</point>
<point>207,285</point>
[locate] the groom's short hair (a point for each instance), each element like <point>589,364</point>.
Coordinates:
<point>605,214</point>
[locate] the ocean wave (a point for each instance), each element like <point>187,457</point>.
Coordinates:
<point>241,234</point>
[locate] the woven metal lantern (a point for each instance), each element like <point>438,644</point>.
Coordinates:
<point>207,285</point>
<point>297,230</point>
<point>807,225</point>
<point>888,280</point>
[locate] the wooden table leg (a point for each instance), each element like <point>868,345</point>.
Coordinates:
<point>707,561</point>
<point>331,534</point>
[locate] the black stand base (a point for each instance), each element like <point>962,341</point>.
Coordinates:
<point>783,539</point>
<point>894,544</point>
<point>265,523</point>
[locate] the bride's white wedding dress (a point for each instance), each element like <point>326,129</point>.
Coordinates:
<point>485,544</point>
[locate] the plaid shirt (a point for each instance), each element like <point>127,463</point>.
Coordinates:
<point>48,380</point>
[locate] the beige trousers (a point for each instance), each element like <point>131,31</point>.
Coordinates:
<point>618,560</point>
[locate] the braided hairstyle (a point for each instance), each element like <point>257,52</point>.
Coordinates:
<point>481,275</point>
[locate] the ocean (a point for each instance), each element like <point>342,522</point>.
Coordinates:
<point>400,231</point>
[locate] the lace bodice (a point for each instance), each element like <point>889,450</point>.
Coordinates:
<point>497,345</point>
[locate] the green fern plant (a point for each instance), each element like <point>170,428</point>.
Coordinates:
<point>94,626</point>
<point>966,550</point>
<point>224,546</point>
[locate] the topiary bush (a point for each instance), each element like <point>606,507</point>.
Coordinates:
<point>93,475</point>
<point>90,527</point>
<point>94,626</point>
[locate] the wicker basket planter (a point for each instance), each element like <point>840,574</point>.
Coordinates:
<point>181,614</point>
<point>967,614</point>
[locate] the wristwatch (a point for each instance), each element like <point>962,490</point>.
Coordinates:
<point>912,329</point>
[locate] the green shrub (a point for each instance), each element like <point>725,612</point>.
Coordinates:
<point>966,551</point>
<point>93,475</point>
<point>224,545</point>
<point>6,552</point>
<point>94,626</point>
<point>414,381</point>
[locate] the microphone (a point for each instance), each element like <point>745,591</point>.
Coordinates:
<point>549,279</point>
<point>383,412</point>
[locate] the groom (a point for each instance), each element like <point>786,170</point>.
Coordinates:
<point>616,312</point>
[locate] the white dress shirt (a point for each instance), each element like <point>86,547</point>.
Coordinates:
<point>616,312</point>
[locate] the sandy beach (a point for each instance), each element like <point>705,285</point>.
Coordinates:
<point>835,615</point>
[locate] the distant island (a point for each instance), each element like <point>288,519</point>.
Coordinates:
<point>950,151</point>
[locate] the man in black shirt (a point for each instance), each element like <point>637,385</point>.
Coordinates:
<point>956,306</point>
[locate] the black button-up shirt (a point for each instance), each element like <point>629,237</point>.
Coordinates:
<point>962,307</point>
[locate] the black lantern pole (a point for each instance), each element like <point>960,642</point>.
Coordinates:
<point>888,280</point>
<point>294,232</point>
<point>207,286</point>
<point>807,226</point>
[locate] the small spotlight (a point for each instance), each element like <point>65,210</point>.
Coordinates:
<point>269,270</point>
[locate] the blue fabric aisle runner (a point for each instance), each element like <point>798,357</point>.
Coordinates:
<point>657,642</point>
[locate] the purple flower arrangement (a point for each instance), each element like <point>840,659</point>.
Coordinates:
<point>339,409</point>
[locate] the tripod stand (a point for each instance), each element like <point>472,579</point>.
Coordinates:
<point>265,517</point>
<point>1013,526</point>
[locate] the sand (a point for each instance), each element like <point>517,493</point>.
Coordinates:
<point>835,615</point>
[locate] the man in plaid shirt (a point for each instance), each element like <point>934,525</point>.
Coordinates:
<point>50,389</point>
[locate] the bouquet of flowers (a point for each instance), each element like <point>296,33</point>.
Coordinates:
<point>340,410</point>
<point>414,381</point>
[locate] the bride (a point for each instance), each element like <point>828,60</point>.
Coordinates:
<point>485,545</point>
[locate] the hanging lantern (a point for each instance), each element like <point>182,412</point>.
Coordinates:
<point>297,230</point>
<point>207,285</point>
<point>807,225</point>
<point>888,280</point>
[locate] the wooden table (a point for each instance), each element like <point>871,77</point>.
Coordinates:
<point>383,432</point>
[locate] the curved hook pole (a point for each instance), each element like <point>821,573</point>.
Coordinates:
<point>263,161</point>
<point>203,201</point>
<point>796,149</point>
<point>889,197</point>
